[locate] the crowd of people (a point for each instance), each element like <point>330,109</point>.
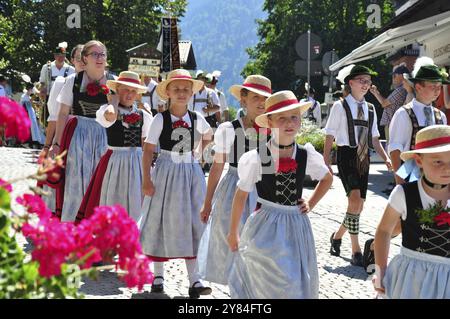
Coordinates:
<point>143,144</point>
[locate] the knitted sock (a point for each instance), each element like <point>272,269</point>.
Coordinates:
<point>351,222</point>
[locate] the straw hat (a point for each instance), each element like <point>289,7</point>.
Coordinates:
<point>178,74</point>
<point>127,78</point>
<point>432,139</point>
<point>281,102</point>
<point>256,83</point>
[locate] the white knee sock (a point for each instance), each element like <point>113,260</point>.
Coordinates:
<point>192,272</point>
<point>159,271</point>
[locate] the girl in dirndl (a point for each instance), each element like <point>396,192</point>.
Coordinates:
<point>118,176</point>
<point>422,269</point>
<point>231,140</point>
<point>82,137</point>
<point>276,255</point>
<point>174,191</point>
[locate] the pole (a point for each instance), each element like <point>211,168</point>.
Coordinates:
<point>330,79</point>
<point>309,58</point>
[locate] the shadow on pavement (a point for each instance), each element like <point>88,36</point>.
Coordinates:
<point>348,271</point>
<point>106,284</point>
<point>149,295</point>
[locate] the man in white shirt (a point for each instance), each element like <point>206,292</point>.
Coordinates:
<point>206,102</point>
<point>314,113</point>
<point>353,124</point>
<point>212,80</point>
<point>50,71</point>
<point>151,97</point>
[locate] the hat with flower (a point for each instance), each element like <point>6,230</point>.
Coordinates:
<point>61,48</point>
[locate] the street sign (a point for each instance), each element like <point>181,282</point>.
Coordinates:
<point>301,68</point>
<point>328,59</point>
<point>301,46</point>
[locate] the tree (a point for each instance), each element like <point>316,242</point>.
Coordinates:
<point>341,24</point>
<point>30,30</point>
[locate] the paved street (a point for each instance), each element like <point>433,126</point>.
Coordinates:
<point>338,279</point>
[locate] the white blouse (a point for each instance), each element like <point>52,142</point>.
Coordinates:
<point>397,199</point>
<point>224,137</point>
<point>337,121</point>
<point>156,126</point>
<point>100,118</point>
<point>250,169</point>
<point>53,105</point>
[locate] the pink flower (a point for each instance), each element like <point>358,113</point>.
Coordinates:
<point>15,119</point>
<point>35,204</point>
<point>138,272</point>
<point>6,186</point>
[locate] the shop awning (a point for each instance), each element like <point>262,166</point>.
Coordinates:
<point>397,38</point>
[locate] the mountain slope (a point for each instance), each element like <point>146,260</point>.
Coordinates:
<point>220,31</point>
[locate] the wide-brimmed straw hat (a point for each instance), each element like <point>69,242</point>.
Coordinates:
<point>127,78</point>
<point>176,75</point>
<point>281,102</point>
<point>432,139</point>
<point>256,83</point>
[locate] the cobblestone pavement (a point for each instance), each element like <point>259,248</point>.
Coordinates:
<point>338,279</point>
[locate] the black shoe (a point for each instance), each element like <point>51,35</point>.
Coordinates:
<point>357,259</point>
<point>369,257</point>
<point>195,292</point>
<point>158,288</point>
<point>335,249</point>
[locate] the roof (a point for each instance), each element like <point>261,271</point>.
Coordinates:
<point>397,38</point>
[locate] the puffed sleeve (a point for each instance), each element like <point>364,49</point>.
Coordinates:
<point>53,105</point>
<point>148,118</point>
<point>397,200</point>
<point>66,94</point>
<point>155,129</point>
<point>224,138</point>
<point>315,165</point>
<point>202,126</point>
<point>100,116</point>
<point>334,119</point>
<point>249,171</point>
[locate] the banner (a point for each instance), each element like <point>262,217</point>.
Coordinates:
<point>169,45</point>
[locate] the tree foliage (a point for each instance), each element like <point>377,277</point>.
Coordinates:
<point>30,30</point>
<point>341,25</point>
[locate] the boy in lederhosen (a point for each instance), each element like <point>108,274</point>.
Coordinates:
<point>353,124</point>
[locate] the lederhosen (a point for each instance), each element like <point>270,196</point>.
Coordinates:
<point>347,155</point>
<point>280,187</point>
<point>150,94</point>
<point>415,125</point>
<point>310,114</point>
<point>211,119</point>
<point>180,140</point>
<point>418,236</point>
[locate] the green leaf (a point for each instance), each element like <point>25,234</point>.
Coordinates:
<point>5,199</point>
